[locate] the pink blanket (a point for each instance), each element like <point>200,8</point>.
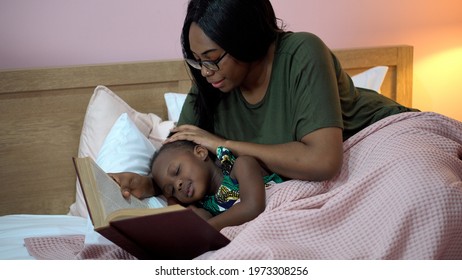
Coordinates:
<point>398,196</point>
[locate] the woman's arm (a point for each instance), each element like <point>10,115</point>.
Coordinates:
<point>247,172</point>
<point>317,157</point>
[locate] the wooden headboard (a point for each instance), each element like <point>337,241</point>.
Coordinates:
<point>42,111</point>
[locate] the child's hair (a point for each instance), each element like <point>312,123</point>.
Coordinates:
<point>179,144</point>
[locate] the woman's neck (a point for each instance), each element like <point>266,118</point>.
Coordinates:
<point>256,83</point>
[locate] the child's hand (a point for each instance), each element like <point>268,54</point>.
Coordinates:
<point>133,184</point>
<point>201,212</point>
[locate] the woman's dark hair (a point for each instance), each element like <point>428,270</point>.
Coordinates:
<point>243,28</point>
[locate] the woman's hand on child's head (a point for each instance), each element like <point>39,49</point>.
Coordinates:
<point>196,135</point>
<point>133,184</point>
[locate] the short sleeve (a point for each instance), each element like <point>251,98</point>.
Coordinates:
<point>316,98</point>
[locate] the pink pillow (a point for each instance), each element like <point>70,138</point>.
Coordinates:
<point>104,108</point>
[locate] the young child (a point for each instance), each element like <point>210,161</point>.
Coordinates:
<point>187,172</point>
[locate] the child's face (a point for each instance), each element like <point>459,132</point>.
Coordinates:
<point>183,174</point>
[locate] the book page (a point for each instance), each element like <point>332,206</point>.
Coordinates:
<point>110,195</point>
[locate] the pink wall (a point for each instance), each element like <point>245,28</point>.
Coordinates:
<point>434,28</point>
<point>57,33</point>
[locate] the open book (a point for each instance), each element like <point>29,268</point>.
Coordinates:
<point>171,232</point>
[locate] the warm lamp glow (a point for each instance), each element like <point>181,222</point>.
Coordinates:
<point>438,80</point>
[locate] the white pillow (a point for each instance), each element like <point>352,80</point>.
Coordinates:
<point>371,78</point>
<point>174,103</point>
<point>126,149</point>
<point>104,108</point>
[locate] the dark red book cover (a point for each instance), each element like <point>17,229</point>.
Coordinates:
<point>173,235</point>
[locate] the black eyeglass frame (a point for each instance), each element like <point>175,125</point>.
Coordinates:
<point>211,65</point>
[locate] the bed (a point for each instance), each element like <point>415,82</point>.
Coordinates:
<point>398,196</point>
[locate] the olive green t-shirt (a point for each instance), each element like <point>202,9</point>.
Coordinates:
<point>308,90</point>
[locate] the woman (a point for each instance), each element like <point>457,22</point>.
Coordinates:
<point>280,97</point>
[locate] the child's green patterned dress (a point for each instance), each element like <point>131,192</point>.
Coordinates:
<point>228,192</point>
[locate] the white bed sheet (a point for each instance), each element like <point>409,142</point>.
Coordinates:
<point>14,228</point>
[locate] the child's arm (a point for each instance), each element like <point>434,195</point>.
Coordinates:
<point>248,172</point>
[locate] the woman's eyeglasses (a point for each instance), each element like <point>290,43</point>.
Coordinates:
<point>209,64</point>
